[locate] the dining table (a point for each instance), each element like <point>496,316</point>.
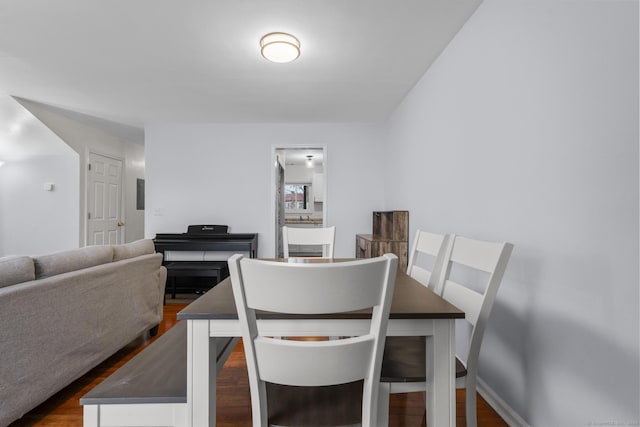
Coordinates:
<point>415,311</point>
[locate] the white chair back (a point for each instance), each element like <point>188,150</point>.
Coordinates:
<point>435,246</point>
<point>491,259</point>
<point>309,236</point>
<point>313,288</point>
<point>474,293</point>
<point>488,257</point>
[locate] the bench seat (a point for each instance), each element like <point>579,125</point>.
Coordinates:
<point>150,389</point>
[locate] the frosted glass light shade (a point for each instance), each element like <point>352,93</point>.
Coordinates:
<point>280,47</point>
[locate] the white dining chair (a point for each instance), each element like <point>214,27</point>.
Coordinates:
<point>403,367</point>
<point>427,257</point>
<point>295,380</point>
<point>309,236</point>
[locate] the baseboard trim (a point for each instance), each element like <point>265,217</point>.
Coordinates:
<point>508,414</point>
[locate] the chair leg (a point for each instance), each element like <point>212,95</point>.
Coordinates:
<point>470,404</point>
<point>383,404</point>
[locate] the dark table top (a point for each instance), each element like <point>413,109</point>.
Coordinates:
<point>411,300</point>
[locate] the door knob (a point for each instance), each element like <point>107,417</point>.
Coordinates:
<point>120,223</point>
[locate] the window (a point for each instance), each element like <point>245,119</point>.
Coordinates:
<point>296,197</point>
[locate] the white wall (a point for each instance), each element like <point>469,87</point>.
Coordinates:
<point>301,174</point>
<point>223,174</point>
<point>35,221</point>
<point>526,130</point>
<point>83,138</point>
<point>134,170</point>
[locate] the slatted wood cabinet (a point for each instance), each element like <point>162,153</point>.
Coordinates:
<point>390,234</point>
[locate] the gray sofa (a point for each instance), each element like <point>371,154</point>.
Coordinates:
<point>64,313</point>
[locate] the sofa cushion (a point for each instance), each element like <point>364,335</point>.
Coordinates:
<point>75,259</point>
<point>133,249</point>
<point>16,269</point>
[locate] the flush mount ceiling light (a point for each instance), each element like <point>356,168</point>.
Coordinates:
<point>280,47</point>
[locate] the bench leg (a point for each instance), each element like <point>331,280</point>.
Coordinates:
<point>90,416</point>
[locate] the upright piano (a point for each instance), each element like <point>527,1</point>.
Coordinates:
<point>202,252</point>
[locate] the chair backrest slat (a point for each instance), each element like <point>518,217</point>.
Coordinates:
<point>436,246</point>
<point>429,243</point>
<point>331,362</point>
<point>304,288</point>
<point>465,299</point>
<point>422,275</point>
<point>477,254</point>
<point>309,236</point>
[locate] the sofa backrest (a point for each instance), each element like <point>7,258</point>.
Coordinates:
<point>133,249</point>
<point>72,260</point>
<point>16,269</point>
<point>19,269</point>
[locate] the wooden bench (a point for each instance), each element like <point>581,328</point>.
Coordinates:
<point>150,389</point>
<point>215,269</point>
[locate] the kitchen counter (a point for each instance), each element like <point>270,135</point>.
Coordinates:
<point>303,221</point>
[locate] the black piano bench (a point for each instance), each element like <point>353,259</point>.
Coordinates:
<point>218,270</point>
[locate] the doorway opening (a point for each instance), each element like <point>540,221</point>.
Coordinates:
<point>300,189</point>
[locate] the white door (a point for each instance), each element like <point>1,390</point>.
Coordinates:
<point>104,198</point>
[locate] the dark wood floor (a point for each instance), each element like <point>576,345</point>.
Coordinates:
<point>233,405</point>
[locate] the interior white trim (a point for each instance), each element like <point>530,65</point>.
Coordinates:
<point>506,412</point>
<point>284,146</point>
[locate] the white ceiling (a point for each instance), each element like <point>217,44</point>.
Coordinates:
<point>144,61</point>
<point>298,156</point>
<point>22,136</point>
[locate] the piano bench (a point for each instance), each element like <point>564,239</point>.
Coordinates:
<point>216,269</point>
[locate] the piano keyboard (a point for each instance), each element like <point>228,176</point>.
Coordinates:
<point>200,255</point>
